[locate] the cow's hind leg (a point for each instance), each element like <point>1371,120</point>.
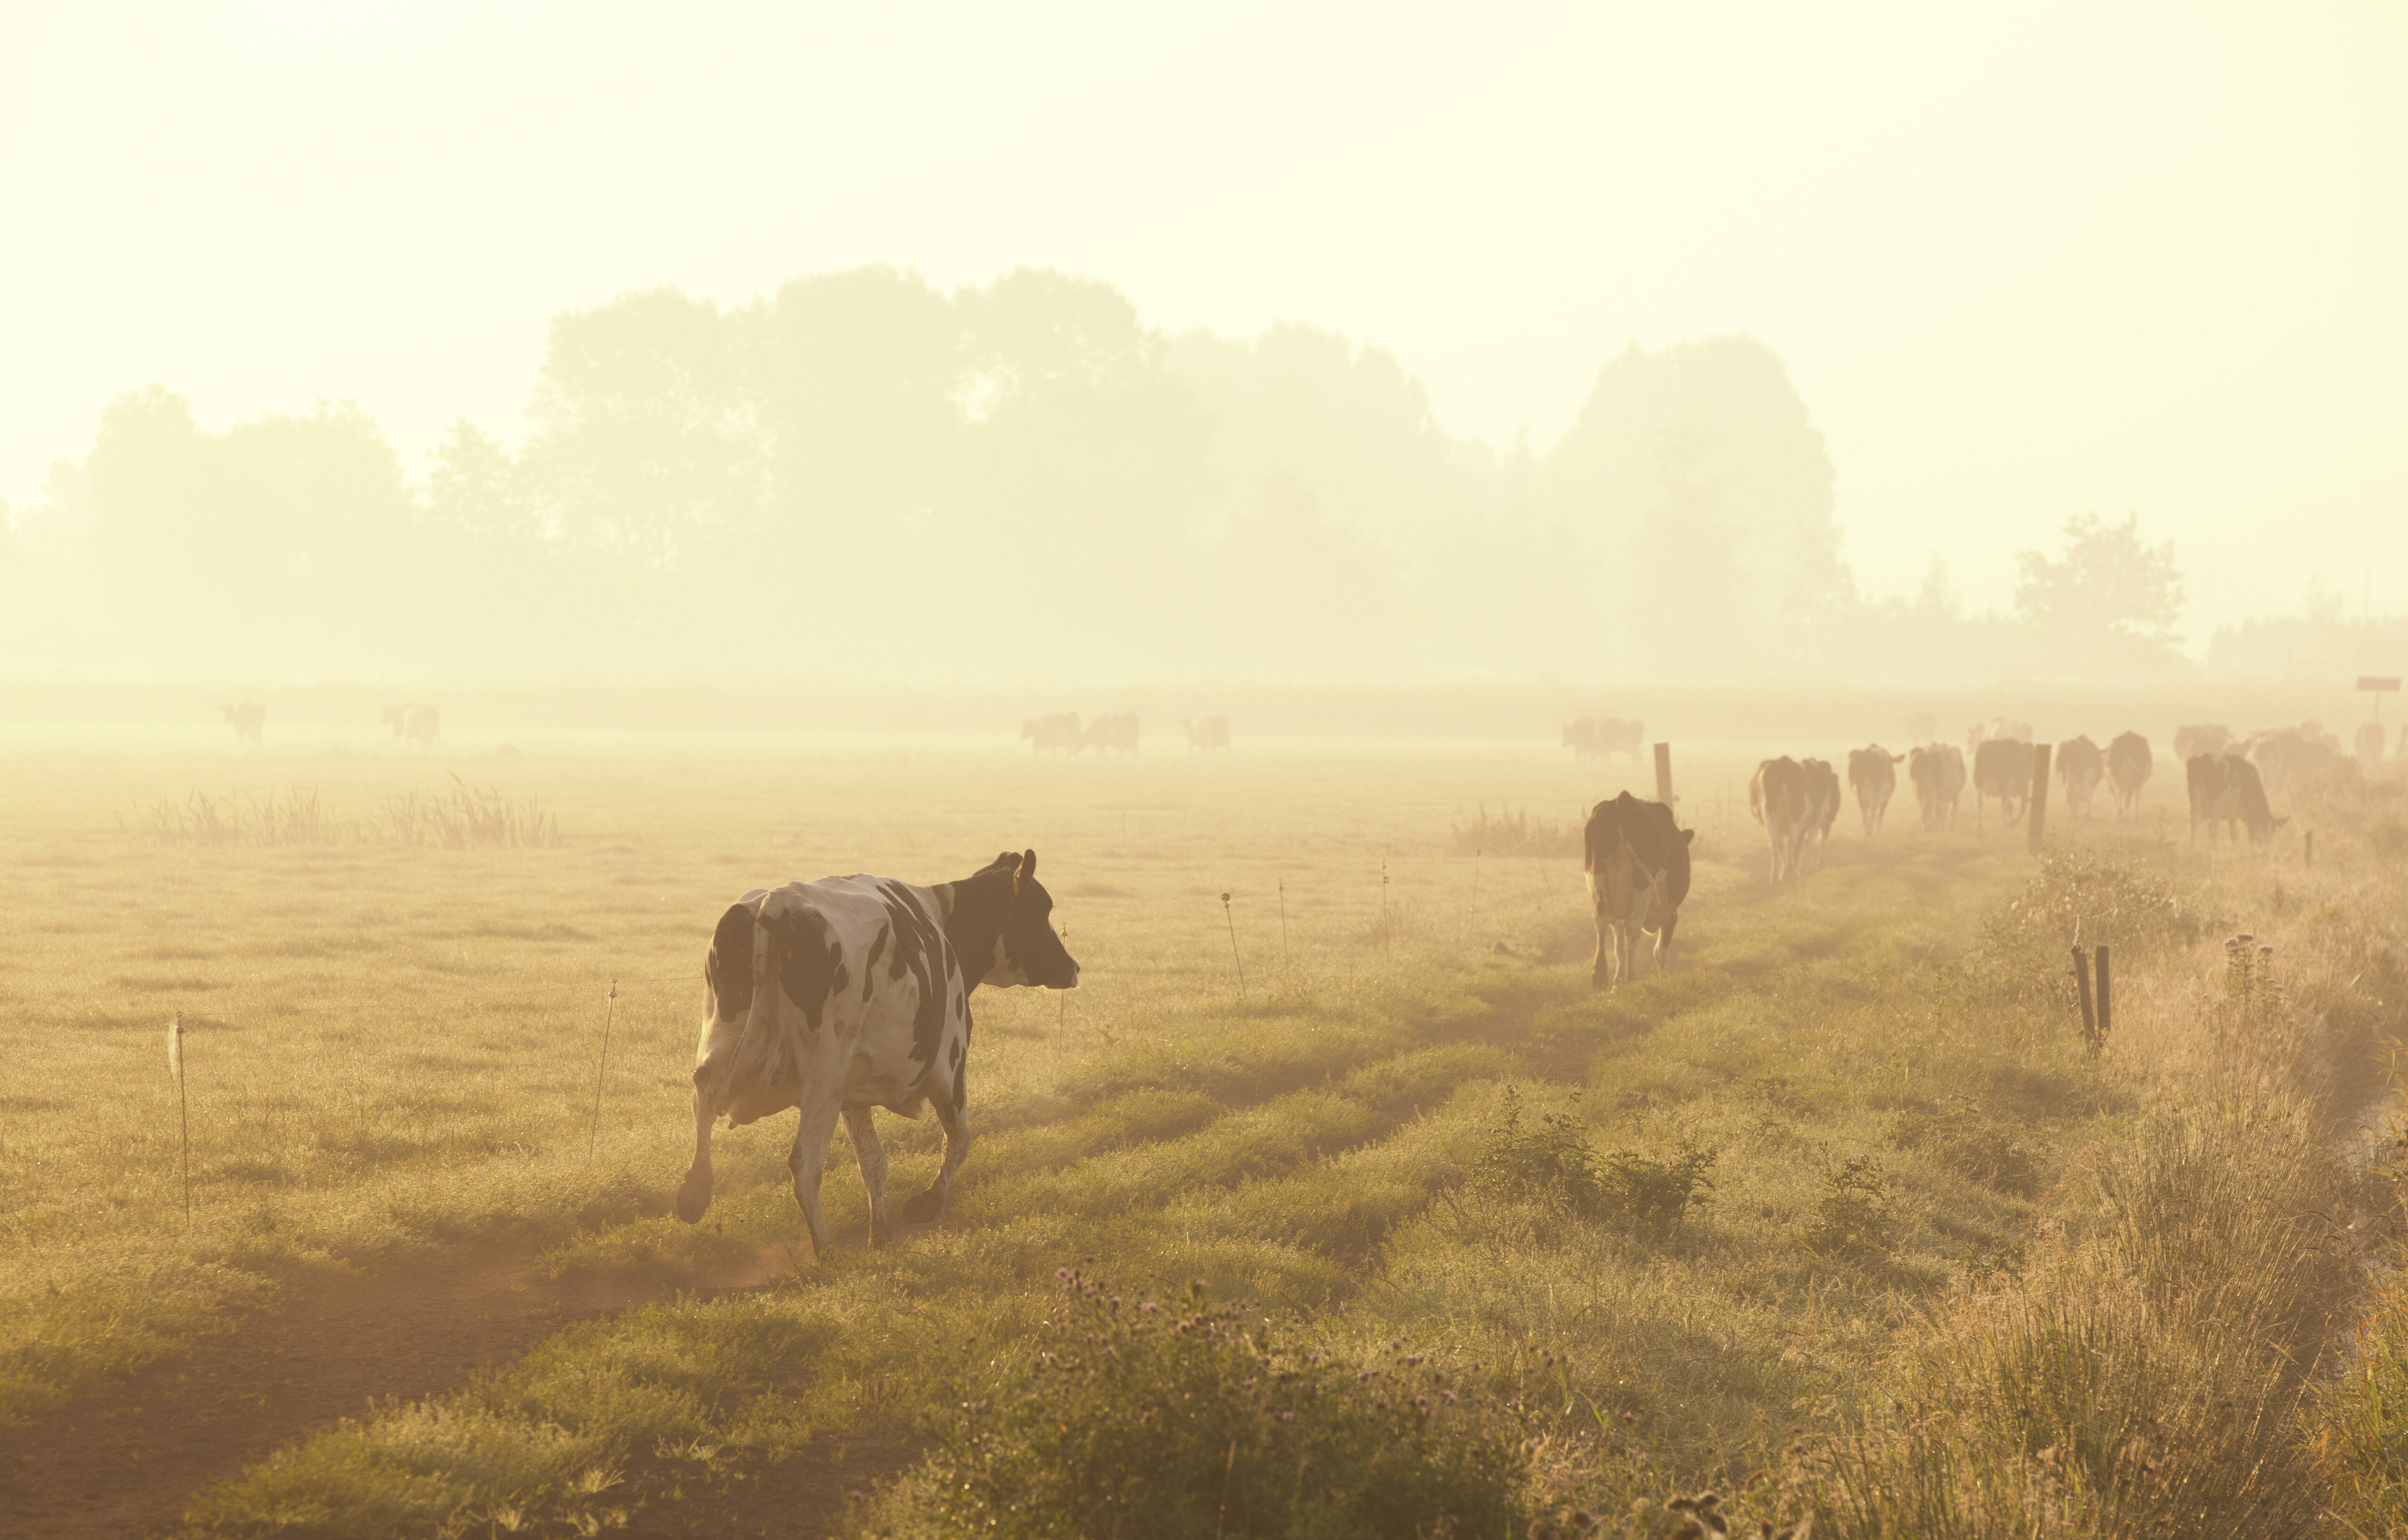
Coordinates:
<point>808,1160</point>
<point>1664,939</point>
<point>953,1116</point>
<point>872,1157</point>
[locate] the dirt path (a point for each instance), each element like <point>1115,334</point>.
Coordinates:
<point>124,1462</point>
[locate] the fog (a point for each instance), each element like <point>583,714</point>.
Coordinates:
<point>1550,346</point>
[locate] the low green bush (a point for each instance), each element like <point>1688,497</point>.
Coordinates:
<point>1553,1165</point>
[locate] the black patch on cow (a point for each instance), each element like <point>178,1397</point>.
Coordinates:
<point>869,967</point>
<point>727,967</point>
<point>961,1081</point>
<point>810,963</point>
<point>922,951</point>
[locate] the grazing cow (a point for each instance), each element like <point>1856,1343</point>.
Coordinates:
<point>421,724</point>
<point>2129,764</point>
<point>1115,730</point>
<point>1873,775</point>
<point>2191,742</point>
<point>1595,737</point>
<point>1780,796</point>
<point>2224,789</point>
<point>1205,734</point>
<point>1637,864</point>
<point>1058,731</point>
<point>2370,746</point>
<point>853,993</point>
<point>2291,758</point>
<point>1938,772</point>
<point>2080,768</point>
<point>1822,804</point>
<point>250,721</point>
<point>2001,769</point>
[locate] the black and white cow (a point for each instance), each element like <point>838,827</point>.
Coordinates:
<point>1780,796</point>
<point>249,720</point>
<point>421,724</point>
<point>1874,774</point>
<point>2080,768</point>
<point>1822,805</point>
<point>1938,772</point>
<point>2226,788</point>
<point>1637,863</point>
<point>1057,729</point>
<point>853,993</point>
<point>2002,768</point>
<point>2129,764</point>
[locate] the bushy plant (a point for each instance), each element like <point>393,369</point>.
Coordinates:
<point>1553,1164</point>
<point>1958,1137</point>
<point>1134,1418</point>
<point>1852,1221</point>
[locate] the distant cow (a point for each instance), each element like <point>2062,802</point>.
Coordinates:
<point>2001,769</point>
<point>2191,742</point>
<point>2080,768</point>
<point>853,993</point>
<point>1637,864</point>
<point>2129,764</point>
<point>1057,731</point>
<point>2224,789</point>
<point>1205,734</point>
<point>1595,737</point>
<point>1822,803</point>
<point>2370,746</point>
<point>1780,796</point>
<point>419,724</point>
<point>1993,731</point>
<point>250,721</point>
<point>1113,730</point>
<point>1937,771</point>
<point>2291,758</point>
<point>1873,775</point>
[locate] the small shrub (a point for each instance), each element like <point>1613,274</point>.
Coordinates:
<point>1181,1421</point>
<point>2080,897</point>
<point>1853,1220</point>
<point>1554,1165</point>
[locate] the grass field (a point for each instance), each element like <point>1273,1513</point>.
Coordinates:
<point>1837,1217</point>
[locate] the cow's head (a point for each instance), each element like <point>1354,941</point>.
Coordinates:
<point>1002,918</point>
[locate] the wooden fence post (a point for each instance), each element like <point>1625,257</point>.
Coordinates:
<point>2082,988</point>
<point>1664,773</point>
<point>2038,811</point>
<point>2106,1001</point>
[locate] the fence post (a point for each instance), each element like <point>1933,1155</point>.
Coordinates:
<point>1664,773</point>
<point>2038,811</point>
<point>2106,1001</point>
<point>2082,988</point>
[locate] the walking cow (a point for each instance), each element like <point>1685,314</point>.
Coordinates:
<point>2080,766</point>
<point>2129,764</point>
<point>1637,863</point>
<point>1872,773</point>
<point>853,993</point>
<point>1780,796</point>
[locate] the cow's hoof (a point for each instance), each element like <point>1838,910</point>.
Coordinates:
<point>692,1200</point>
<point>881,1233</point>
<point>924,1208</point>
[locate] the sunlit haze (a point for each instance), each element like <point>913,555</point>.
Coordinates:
<point>2020,264</point>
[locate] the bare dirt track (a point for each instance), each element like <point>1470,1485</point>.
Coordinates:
<point>125,1462</point>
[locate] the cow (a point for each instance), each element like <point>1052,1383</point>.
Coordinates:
<point>1595,737</point>
<point>1059,730</point>
<point>2224,789</point>
<point>1822,803</point>
<point>421,724</point>
<point>1993,731</point>
<point>1637,864</point>
<point>1115,730</point>
<point>2080,768</point>
<point>249,720</point>
<point>1779,795</point>
<point>1873,775</point>
<point>2129,764</point>
<point>2289,758</point>
<point>2001,769</point>
<point>1937,771</point>
<point>1205,734</point>
<point>853,993</point>
<point>2370,746</point>
<point>2193,741</point>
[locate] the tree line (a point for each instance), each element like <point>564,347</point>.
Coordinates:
<point>861,477</point>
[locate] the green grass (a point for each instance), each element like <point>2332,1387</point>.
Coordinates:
<point>1911,1151</point>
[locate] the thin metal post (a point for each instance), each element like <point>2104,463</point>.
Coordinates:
<point>2082,988</point>
<point>594,1134</point>
<point>2106,999</point>
<point>183,1116</point>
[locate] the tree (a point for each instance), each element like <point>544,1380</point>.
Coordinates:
<point>2108,582</point>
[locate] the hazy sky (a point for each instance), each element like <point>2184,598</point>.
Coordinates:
<point>2023,261</point>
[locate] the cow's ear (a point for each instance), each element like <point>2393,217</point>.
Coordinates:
<point>1688,837</point>
<point>1028,866</point>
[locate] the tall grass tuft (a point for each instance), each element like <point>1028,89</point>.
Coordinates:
<point>464,818</point>
<point>256,821</point>
<point>1554,1165</point>
<point>1180,1421</point>
<point>467,818</point>
<point>1514,833</point>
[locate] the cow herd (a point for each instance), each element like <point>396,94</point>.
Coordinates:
<point>1063,733</point>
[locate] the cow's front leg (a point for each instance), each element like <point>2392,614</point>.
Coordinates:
<point>1664,940</point>
<point>1597,976</point>
<point>808,1158</point>
<point>953,1116</point>
<point>872,1157</point>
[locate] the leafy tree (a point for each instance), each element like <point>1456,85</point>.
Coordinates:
<point>475,486</point>
<point>2109,580</point>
